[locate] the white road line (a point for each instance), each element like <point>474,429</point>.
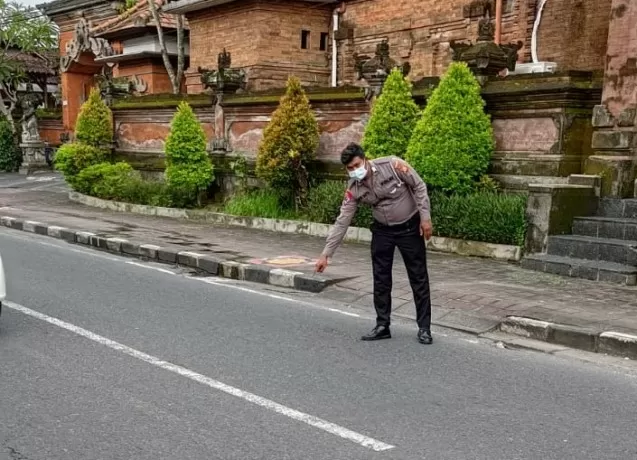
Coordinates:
<point>251,291</point>
<point>344,312</point>
<point>315,422</point>
<point>150,267</point>
<point>221,282</point>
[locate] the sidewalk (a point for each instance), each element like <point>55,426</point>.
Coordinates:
<point>467,293</point>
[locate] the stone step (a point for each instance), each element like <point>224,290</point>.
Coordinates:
<point>591,248</point>
<point>606,227</point>
<point>594,270</point>
<point>609,207</point>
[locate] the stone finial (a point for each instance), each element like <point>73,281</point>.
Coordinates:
<point>224,60</point>
<point>486,29</point>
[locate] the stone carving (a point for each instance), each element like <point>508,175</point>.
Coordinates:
<point>33,149</point>
<point>224,80</point>
<point>29,121</point>
<point>376,70</point>
<point>485,58</point>
<point>478,8</point>
<point>112,88</point>
<point>486,29</point>
<point>83,42</point>
<point>224,60</point>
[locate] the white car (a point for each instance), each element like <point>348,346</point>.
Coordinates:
<point>3,286</point>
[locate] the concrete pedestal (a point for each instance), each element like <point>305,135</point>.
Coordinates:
<point>33,158</point>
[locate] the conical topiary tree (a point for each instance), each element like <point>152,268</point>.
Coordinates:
<point>393,118</point>
<point>289,143</point>
<point>453,141</point>
<point>94,124</point>
<point>189,170</point>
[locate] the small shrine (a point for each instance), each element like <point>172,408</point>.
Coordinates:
<point>224,80</point>
<point>376,70</point>
<point>485,58</point>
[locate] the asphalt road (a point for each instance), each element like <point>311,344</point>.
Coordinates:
<point>110,358</point>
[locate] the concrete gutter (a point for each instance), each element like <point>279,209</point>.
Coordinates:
<point>207,264</point>
<point>582,338</point>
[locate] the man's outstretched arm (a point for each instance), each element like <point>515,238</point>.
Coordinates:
<point>338,231</point>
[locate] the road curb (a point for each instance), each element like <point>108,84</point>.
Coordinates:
<point>204,263</point>
<point>581,338</point>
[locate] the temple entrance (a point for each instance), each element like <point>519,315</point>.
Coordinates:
<point>79,68</point>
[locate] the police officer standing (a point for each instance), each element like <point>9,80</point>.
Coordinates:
<point>400,204</point>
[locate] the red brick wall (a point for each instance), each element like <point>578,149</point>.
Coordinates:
<point>264,37</point>
<point>153,73</point>
<point>50,131</point>
<point>620,80</point>
<point>418,31</point>
<point>574,33</point>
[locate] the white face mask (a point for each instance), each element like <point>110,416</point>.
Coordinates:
<point>359,173</point>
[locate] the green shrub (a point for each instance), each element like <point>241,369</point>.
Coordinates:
<point>189,170</point>
<point>392,120</point>
<point>147,192</point>
<point>94,124</point>
<point>104,180</point>
<point>324,203</point>
<point>487,217</point>
<point>289,144</point>
<point>487,184</point>
<point>71,159</point>
<point>453,141</point>
<point>120,182</point>
<point>10,153</point>
<point>265,203</point>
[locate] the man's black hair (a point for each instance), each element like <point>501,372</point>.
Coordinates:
<point>350,152</point>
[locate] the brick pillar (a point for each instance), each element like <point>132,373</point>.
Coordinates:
<point>75,88</point>
<point>615,137</point>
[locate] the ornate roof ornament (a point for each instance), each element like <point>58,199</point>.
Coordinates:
<point>83,42</point>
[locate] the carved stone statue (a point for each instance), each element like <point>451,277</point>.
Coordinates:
<point>486,29</point>
<point>376,70</point>
<point>29,121</point>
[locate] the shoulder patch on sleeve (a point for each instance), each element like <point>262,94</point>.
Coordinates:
<point>401,166</point>
<point>349,196</point>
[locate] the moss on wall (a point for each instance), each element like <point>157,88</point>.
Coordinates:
<point>161,101</point>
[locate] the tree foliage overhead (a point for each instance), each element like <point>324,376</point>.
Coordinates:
<point>453,141</point>
<point>393,118</point>
<point>289,144</point>
<point>27,30</point>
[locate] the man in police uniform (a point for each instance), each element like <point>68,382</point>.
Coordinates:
<point>400,204</point>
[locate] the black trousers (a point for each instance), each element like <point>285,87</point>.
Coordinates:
<point>412,248</point>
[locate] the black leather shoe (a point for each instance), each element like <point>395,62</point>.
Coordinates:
<point>424,337</point>
<point>378,333</point>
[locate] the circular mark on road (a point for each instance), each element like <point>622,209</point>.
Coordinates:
<point>284,261</point>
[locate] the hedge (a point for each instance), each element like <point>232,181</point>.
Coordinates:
<point>481,216</point>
